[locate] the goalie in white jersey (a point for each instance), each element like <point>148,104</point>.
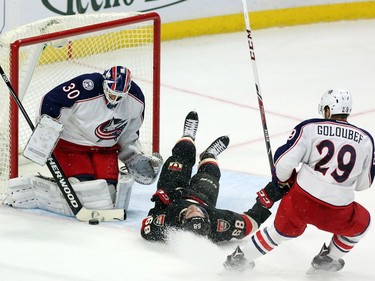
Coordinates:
<point>101,115</point>
<point>336,158</point>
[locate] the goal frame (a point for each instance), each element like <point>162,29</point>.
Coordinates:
<point>14,73</point>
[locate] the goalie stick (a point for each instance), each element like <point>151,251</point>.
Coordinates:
<point>79,211</point>
<point>257,86</point>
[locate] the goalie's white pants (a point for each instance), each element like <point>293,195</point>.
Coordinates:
<point>34,192</point>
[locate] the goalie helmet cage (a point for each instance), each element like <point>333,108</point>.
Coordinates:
<point>41,55</point>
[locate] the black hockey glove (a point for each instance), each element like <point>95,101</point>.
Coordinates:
<point>270,194</point>
<point>163,199</point>
<point>259,213</point>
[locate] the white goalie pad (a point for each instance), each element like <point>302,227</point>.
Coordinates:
<point>35,192</point>
<point>94,194</point>
<point>124,189</point>
<point>21,193</point>
<point>43,140</point>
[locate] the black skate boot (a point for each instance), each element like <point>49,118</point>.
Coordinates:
<point>322,262</point>
<point>191,125</point>
<point>237,261</point>
<point>215,148</point>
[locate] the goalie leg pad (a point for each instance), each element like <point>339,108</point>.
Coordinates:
<point>32,192</point>
<point>35,192</point>
<point>48,196</point>
<point>94,194</point>
<point>21,193</point>
<point>123,191</point>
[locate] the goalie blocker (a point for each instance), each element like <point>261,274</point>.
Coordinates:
<point>43,140</point>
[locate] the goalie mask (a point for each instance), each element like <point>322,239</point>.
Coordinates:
<point>116,84</point>
<point>339,101</point>
<point>195,219</point>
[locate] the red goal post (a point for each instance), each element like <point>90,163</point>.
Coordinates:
<point>39,56</point>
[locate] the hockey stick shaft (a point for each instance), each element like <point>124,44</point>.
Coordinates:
<point>257,85</point>
<point>80,212</point>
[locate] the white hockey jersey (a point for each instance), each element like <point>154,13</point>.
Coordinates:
<point>79,104</point>
<point>336,159</point>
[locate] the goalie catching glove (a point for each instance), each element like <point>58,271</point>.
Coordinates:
<point>144,168</point>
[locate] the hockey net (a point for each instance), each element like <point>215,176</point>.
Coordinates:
<point>41,55</point>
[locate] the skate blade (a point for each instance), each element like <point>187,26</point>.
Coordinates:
<point>314,271</point>
<point>246,267</point>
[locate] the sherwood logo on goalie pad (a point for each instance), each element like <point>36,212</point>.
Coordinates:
<point>64,184</point>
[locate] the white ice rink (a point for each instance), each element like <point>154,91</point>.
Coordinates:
<point>213,75</point>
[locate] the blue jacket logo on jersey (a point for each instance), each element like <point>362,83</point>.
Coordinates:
<point>110,129</point>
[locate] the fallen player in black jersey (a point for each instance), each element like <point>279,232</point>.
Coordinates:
<point>189,203</point>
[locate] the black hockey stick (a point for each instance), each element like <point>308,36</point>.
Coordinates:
<point>80,212</point>
<point>257,86</point>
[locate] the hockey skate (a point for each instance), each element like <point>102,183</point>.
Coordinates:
<point>191,125</point>
<point>237,261</point>
<point>215,148</point>
<point>323,263</point>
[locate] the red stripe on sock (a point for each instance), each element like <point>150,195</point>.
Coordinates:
<point>340,244</point>
<point>263,241</point>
